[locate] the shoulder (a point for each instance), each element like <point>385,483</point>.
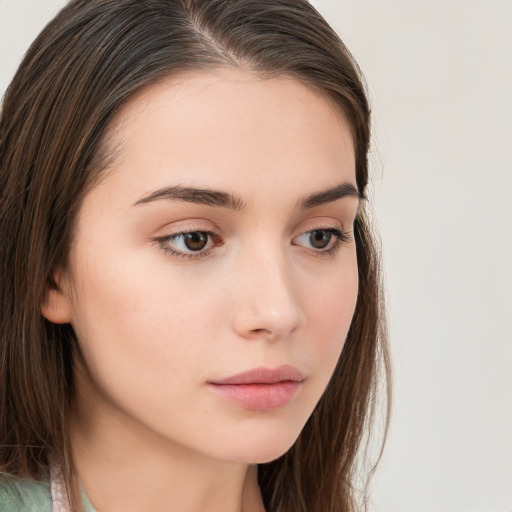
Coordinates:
<point>18,495</point>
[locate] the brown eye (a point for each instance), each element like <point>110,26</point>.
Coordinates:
<point>320,239</point>
<point>195,241</point>
<point>323,241</point>
<point>190,244</point>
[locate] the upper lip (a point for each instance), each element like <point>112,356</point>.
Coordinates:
<point>263,375</point>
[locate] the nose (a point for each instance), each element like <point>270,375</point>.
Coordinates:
<point>267,303</point>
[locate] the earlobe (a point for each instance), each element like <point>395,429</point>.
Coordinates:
<point>56,306</point>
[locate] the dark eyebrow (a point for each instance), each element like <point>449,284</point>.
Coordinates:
<point>332,194</point>
<point>195,195</point>
<point>225,200</point>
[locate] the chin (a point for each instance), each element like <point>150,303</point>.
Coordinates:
<point>261,447</point>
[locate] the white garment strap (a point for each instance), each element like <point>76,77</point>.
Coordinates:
<point>60,499</point>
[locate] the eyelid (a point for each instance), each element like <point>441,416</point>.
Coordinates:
<point>163,242</point>
<point>334,227</point>
<point>341,236</point>
<point>184,225</point>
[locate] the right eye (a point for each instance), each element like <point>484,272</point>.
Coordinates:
<point>190,244</point>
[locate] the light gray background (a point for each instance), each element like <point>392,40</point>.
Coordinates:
<point>440,79</point>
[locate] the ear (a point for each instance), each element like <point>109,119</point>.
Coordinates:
<point>56,306</point>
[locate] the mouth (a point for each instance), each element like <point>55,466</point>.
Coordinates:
<point>261,389</point>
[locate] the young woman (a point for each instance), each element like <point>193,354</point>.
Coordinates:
<point>191,313</point>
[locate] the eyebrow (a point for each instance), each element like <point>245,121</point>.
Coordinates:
<point>345,189</point>
<point>220,199</point>
<point>195,195</point>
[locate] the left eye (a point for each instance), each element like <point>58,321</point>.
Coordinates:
<point>321,240</point>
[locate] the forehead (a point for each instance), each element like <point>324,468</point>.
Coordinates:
<point>230,128</point>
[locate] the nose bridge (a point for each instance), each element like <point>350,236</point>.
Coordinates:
<point>268,302</point>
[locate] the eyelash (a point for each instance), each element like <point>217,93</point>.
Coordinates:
<point>340,237</point>
<point>163,243</point>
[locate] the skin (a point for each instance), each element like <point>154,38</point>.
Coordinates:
<point>155,327</point>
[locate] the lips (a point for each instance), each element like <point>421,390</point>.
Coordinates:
<point>261,389</point>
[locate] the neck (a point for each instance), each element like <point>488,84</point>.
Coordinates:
<point>124,466</point>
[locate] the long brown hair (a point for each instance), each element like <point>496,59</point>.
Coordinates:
<point>54,121</point>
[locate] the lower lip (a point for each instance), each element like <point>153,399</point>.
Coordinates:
<point>259,397</point>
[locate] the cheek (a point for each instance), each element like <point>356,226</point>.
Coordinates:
<point>132,315</point>
<point>330,313</point>
<point>144,339</point>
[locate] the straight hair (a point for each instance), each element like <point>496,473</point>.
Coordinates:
<point>54,145</point>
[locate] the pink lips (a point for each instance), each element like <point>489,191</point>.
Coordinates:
<point>261,389</point>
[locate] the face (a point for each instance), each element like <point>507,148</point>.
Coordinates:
<point>213,276</point>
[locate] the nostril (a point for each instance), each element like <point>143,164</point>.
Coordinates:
<point>260,331</point>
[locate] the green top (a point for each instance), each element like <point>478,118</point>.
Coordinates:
<point>30,496</point>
